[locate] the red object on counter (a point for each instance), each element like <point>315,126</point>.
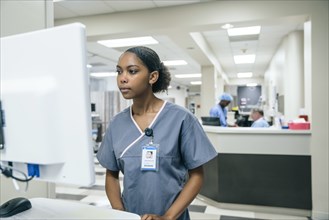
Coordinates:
<point>304,116</point>
<point>299,126</point>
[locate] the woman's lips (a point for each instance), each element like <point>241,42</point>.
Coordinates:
<point>124,90</point>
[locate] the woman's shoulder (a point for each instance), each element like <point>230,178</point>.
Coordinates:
<point>179,111</point>
<point>121,115</point>
<point>177,108</point>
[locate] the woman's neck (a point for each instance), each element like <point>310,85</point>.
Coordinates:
<point>151,104</point>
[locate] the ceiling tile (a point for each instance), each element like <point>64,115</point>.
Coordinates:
<point>174,46</point>
<point>163,3</point>
<point>130,5</point>
<point>63,12</point>
<point>86,7</point>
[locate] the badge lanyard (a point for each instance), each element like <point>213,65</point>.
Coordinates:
<point>150,151</point>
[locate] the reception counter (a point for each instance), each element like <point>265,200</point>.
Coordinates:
<point>259,166</point>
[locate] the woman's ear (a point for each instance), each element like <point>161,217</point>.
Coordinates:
<point>154,76</point>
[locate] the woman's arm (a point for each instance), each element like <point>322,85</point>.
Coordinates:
<point>113,191</point>
<point>189,192</point>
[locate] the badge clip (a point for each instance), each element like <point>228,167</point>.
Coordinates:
<point>149,133</point>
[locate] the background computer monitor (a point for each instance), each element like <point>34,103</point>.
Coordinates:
<point>46,104</point>
<point>213,121</point>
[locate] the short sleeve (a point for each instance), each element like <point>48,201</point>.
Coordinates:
<point>105,154</point>
<point>213,112</point>
<point>196,149</point>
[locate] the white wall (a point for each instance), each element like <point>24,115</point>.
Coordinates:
<point>178,96</point>
<point>293,78</point>
<point>21,16</point>
<point>273,78</point>
<point>320,101</point>
<point>285,76</point>
<point>308,69</point>
<point>104,84</point>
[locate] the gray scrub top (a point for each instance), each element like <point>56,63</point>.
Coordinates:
<point>183,146</point>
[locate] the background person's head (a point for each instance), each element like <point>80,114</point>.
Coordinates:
<point>225,99</point>
<point>256,114</point>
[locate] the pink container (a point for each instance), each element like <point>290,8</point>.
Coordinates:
<point>299,126</point>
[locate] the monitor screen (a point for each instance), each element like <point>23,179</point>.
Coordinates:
<point>214,121</point>
<point>45,101</point>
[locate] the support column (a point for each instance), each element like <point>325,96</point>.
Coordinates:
<point>294,75</point>
<point>308,69</point>
<point>220,84</point>
<point>208,93</point>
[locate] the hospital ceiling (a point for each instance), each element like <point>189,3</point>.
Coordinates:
<point>222,46</point>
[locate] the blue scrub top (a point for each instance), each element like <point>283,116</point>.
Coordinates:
<point>221,113</point>
<point>183,146</point>
<point>260,123</point>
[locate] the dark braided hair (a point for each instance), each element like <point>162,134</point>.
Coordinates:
<point>152,61</point>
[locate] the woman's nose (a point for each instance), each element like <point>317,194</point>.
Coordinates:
<point>122,78</point>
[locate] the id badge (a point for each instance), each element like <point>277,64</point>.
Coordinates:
<point>150,158</point>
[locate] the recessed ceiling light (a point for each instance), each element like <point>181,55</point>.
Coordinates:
<point>103,74</point>
<point>227,26</point>
<point>89,66</point>
<point>243,31</point>
<point>126,42</point>
<point>192,75</point>
<point>252,84</point>
<point>196,83</point>
<point>244,75</point>
<point>174,62</point>
<point>240,59</point>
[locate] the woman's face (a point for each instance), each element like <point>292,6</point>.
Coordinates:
<point>133,76</point>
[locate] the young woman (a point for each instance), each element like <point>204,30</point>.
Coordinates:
<point>160,187</point>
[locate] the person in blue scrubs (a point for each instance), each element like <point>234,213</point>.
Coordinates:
<point>161,186</point>
<point>257,116</point>
<point>220,109</point>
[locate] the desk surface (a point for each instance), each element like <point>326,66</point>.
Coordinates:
<point>248,130</point>
<point>43,208</point>
<point>259,140</point>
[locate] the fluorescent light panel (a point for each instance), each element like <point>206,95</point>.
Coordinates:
<point>244,75</point>
<point>227,26</point>
<point>103,74</point>
<point>126,42</point>
<point>243,31</point>
<point>196,83</point>
<point>251,84</point>
<point>240,59</point>
<point>174,62</point>
<point>193,75</point>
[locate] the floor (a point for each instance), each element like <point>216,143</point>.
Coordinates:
<point>200,208</point>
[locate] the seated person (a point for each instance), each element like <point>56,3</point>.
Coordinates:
<point>257,116</point>
<point>220,110</point>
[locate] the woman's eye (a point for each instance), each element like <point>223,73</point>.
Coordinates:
<point>133,71</point>
<point>119,72</point>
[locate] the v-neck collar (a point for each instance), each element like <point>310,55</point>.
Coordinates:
<point>153,121</point>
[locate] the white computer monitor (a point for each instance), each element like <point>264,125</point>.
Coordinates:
<point>45,103</point>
